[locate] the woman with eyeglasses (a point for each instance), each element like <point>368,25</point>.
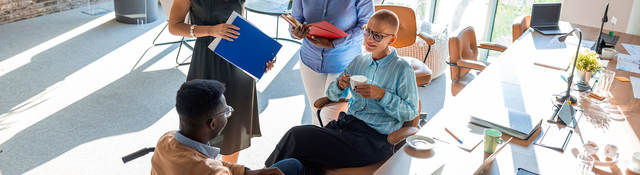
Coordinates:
<point>208,21</point>
<point>323,59</point>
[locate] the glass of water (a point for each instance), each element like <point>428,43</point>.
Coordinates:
<point>605,81</point>
<point>585,164</point>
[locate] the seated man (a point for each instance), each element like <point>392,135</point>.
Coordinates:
<point>203,113</point>
<point>376,109</point>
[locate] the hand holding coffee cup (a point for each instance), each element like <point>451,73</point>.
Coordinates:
<point>344,81</point>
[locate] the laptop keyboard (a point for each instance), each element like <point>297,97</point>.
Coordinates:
<point>549,28</point>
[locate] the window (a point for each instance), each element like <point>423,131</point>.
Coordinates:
<point>509,10</point>
<point>422,8</point>
<point>491,19</point>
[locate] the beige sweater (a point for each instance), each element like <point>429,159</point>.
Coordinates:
<point>172,157</point>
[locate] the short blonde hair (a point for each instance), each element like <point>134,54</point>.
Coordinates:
<point>387,17</point>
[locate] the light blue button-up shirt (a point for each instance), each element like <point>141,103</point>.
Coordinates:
<point>209,151</point>
<point>400,101</point>
<point>348,15</point>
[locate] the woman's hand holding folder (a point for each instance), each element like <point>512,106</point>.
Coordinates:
<point>269,66</point>
<point>224,31</point>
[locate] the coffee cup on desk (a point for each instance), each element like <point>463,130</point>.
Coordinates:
<point>357,80</point>
<point>634,163</point>
<point>492,138</point>
<point>607,53</point>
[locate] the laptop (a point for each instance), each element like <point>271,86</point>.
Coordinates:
<point>545,18</point>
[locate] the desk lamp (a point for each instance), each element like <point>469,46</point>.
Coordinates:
<point>567,96</point>
<point>599,42</point>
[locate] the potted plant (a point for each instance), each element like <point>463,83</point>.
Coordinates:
<point>587,64</point>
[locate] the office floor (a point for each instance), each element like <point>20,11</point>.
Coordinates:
<point>75,97</point>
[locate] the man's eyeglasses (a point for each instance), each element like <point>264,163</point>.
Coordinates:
<point>377,36</point>
<point>227,112</point>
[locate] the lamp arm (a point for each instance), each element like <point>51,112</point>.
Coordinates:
<point>575,61</point>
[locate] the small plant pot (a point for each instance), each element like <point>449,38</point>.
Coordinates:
<point>584,76</point>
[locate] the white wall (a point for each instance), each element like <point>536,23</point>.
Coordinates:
<point>634,19</point>
<point>589,13</point>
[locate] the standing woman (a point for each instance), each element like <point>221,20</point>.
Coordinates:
<point>208,18</point>
<point>323,59</point>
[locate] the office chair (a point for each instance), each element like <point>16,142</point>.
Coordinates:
<point>407,34</point>
<point>463,52</point>
<point>519,26</point>
<point>396,138</point>
<point>166,8</point>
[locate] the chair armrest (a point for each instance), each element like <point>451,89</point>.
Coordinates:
<point>493,46</point>
<point>399,135</point>
<point>324,101</point>
<point>471,64</point>
<point>426,37</point>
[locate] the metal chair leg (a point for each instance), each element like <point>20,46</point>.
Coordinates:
<point>182,41</point>
<point>320,118</point>
<point>427,55</point>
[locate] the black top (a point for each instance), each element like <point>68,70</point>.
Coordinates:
<point>240,87</point>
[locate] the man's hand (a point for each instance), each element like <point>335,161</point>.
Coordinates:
<point>264,171</point>
<point>301,31</point>
<point>370,91</point>
<point>269,66</point>
<point>344,81</point>
<point>320,42</point>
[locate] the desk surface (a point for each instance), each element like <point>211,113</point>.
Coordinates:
<point>537,85</point>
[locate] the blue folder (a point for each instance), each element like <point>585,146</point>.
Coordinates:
<point>250,51</point>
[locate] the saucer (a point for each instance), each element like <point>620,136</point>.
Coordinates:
<point>420,143</point>
<point>632,168</point>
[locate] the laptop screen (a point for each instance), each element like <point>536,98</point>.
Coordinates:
<point>547,14</point>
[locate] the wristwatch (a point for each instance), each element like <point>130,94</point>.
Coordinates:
<point>193,27</point>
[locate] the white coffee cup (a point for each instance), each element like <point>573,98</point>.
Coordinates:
<point>610,151</point>
<point>357,80</point>
<point>634,163</point>
<point>608,53</point>
<point>636,158</point>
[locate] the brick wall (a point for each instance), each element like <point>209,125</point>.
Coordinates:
<point>15,10</point>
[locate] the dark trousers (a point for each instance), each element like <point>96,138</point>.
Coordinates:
<point>347,142</point>
<point>289,167</point>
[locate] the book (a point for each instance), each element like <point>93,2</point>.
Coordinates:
<point>321,29</point>
<point>249,52</point>
<point>504,107</point>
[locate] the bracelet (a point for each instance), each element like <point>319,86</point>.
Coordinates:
<point>193,27</point>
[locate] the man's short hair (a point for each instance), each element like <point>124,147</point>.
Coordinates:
<point>197,98</point>
<point>387,17</point>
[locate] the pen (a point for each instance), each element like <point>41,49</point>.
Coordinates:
<point>454,136</point>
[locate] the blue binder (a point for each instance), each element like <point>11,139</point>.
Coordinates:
<point>250,51</point>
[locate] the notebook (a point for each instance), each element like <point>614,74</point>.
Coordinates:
<point>321,29</point>
<point>470,135</point>
<point>327,30</point>
<point>515,123</point>
<point>553,58</point>
<point>250,51</point>
<point>555,137</point>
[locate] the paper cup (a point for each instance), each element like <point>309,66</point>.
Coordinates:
<point>608,53</point>
<point>357,80</point>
